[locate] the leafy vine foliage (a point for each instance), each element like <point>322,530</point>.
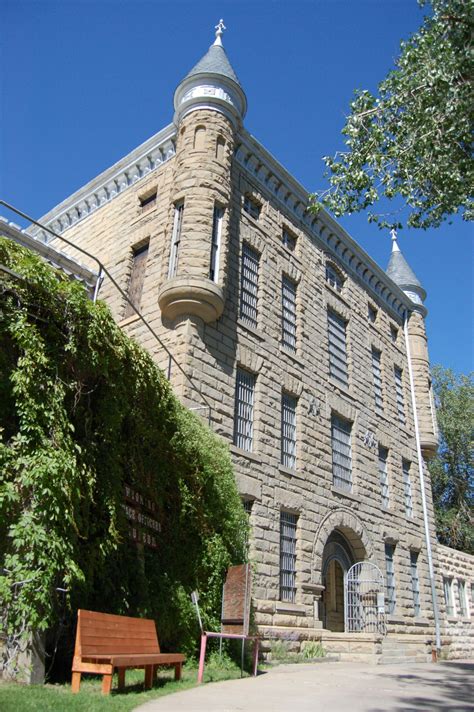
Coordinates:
<point>84,411</point>
<point>413,140</point>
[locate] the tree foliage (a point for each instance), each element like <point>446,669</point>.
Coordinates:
<point>84,411</point>
<point>452,470</point>
<point>414,139</point>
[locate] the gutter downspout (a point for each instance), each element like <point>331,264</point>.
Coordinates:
<point>422,489</point>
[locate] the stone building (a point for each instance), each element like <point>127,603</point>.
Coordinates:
<point>306,356</point>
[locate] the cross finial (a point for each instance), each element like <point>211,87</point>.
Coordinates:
<point>220,27</point>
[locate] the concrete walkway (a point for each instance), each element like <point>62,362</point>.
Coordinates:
<point>333,687</point>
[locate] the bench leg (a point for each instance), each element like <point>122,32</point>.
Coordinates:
<point>177,671</point>
<point>202,656</point>
<point>148,677</point>
<point>106,684</point>
<point>75,682</point>
<point>121,678</point>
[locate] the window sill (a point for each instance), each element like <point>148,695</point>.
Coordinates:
<point>290,471</point>
<point>151,212</point>
<point>244,453</point>
<point>251,330</point>
<point>290,608</point>
<point>345,493</point>
<point>292,355</point>
<point>128,320</point>
<point>391,618</point>
<point>337,294</point>
<point>344,390</point>
<point>421,621</point>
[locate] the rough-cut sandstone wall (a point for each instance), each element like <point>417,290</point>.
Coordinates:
<point>457,631</point>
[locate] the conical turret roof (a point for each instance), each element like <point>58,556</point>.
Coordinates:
<point>215,61</point>
<point>400,271</point>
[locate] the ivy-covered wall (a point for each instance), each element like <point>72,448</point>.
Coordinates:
<point>84,411</point>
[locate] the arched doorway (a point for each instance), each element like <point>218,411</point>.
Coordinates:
<point>338,557</point>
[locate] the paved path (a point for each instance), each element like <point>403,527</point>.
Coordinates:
<point>333,687</point>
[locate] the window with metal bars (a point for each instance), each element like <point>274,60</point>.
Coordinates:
<point>243,417</point>
<point>288,240</point>
<point>252,207</point>
<point>383,473</point>
<point>462,598</point>
<point>377,377</point>
<point>334,278</point>
<point>341,453</point>
<point>448,595</point>
<point>247,505</point>
<point>288,524</point>
<point>337,347</point>
<point>137,277</point>
<point>216,242</point>
<point>288,431</point>
<point>398,373</point>
<point>249,285</point>
<point>415,582</point>
<point>288,296</point>
<point>407,488</point>
<point>390,578</point>
<point>175,239</point>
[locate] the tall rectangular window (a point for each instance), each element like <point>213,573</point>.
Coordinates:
<point>288,295</point>
<point>377,377</point>
<point>390,572</point>
<point>383,474</point>
<point>341,453</point>
<point>337,347</point>
<point>243,417</point>
<point>398,373</point>
<point>288,431</point>
<point>249,285</point>
<point>288,240</point>
<point>415,582</point>
<point>175,239</point>
<point>216,242</point>
<point>448,595</point>
<point>462,598</point>
<point>407,488</point>
<point>252,207</point>
<point>288,523</point>
<point>137,277</point>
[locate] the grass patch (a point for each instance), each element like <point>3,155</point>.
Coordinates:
<point>15,697</point>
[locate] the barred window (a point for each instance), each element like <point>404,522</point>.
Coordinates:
<point>399,393</point>
<point>175,239</point>
<point>288,523</point>
<point>337,347</point>
<point>249,285</point>
<point>243,417</point>
<point>415,582</point>
<point>407,488</point>
<point>247,505</point>
<point>377,376</point>
<point>216,242</point>
<point>371,313</point>
<point>288,431</point>
<point>252,207</point>
<point>383,473</point>
<point>288,240</point>
<point>137,277</point>
<point>462,598</point>
<point>390,570</point>
<point>393,333</point>
<point>341,453</point>
<point>288,291</point>
<point>448,595</point>
<point>333,278</point>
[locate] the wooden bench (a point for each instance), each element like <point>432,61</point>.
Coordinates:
<point>105,643</point>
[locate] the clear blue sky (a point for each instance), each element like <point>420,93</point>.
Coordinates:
<point>85,81</point>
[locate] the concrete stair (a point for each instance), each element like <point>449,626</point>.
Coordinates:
<point>397,651</point>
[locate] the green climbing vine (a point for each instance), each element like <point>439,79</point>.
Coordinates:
<point>83,412</point>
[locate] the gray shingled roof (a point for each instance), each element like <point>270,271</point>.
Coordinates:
<point>215,61</point>
<point>400,271</point>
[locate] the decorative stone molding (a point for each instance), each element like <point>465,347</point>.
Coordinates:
<point>112,182</point>
<point>194,296</point>
<point>340,406</point>
<point>292,385</point>
<point>288,500</point>
<point>331,237</point>
<point>336,305</point>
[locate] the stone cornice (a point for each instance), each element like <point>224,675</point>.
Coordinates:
<point>107,185</point>
<point>54,257</point>
<point>326,232</point>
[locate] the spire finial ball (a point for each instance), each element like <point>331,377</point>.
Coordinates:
<point>220,27</point>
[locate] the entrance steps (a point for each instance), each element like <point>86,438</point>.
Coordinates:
<point>403,650</point>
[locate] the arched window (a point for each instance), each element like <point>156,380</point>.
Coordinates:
<point>199,138</point>
<point>333,277</point>
<point>220,146</point>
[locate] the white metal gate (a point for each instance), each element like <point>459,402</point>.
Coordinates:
<point>365,604</point>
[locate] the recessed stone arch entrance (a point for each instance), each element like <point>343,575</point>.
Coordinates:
<point>341,541</point>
